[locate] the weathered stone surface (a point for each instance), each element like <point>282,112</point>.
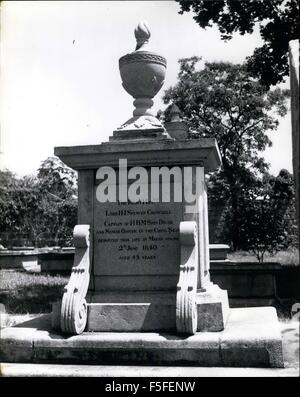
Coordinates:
<point>74,305</point>
<point>143,74</point>
<point>125,312</point>
<point>18,259</point>
<point>136,246</point>
<point>16,344</point>
<point>252,337</point>
<point>212,309</point>
<point>177,129</point>
<point>52,262</point>
<point>55,315</point>
<point>3,316</point>
<point>246,280</point>
<point>167,152</point>
<point>132,134</point>
<point>218,251</point>
<point>132,283</point>
<point>86,207</point>
<point>131,317</point>
<point>147,371</point>
<point>141,239</point>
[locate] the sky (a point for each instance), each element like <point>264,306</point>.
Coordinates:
<point>60,81</point>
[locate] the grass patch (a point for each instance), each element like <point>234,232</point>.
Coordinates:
<point>23,292</point>
<point>285,258</point>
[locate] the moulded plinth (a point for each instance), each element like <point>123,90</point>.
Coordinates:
<point>252,338</point>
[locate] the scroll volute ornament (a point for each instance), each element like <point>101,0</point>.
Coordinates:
<point>74,307</point>
<point>186,306</point>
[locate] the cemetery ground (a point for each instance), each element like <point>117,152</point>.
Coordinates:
<point>27,295</point>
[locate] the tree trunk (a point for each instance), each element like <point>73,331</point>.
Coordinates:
<point>234,194</point>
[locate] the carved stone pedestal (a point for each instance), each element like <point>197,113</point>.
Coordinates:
<point>147,262</point>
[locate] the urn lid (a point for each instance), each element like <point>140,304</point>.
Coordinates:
<point>142,53</point>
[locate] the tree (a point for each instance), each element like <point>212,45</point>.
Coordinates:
<point>58,203</point>
<point>18,201</point>
<point>57,179</point>
<point>265,225</point>
<point>8,182</point>
<point>39,209</point>
<point>223,101</point>
<point>278,22</point>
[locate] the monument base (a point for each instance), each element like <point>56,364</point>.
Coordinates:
<point>212,309</point>
<point>251,339</point>
<point>132,135</point>
<point>131,312</point>
<point>140,127</point>
<point>149,312</point>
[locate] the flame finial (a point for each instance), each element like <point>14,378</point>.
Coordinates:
<point>142,34</point>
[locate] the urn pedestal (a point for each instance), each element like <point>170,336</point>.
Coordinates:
<point>140,252</point>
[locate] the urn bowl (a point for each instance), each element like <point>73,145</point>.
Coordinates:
<point>142,73</point>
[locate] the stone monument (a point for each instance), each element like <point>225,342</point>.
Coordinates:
<point>144,265</point>
<point>140,288</point>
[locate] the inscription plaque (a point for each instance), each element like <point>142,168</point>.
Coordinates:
<point>136,238</point>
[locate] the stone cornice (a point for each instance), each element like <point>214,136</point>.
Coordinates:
<point>202,152</point>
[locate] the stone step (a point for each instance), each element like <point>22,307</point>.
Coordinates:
<point>134,371</point>
<point>252,338</point>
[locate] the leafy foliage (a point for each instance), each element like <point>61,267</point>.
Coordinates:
<point>278,22</point>
<point>264,226</point>
<point>265,214</point>
<point>56,178</point>
<point>39,208</point>
<point>223,101</point>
